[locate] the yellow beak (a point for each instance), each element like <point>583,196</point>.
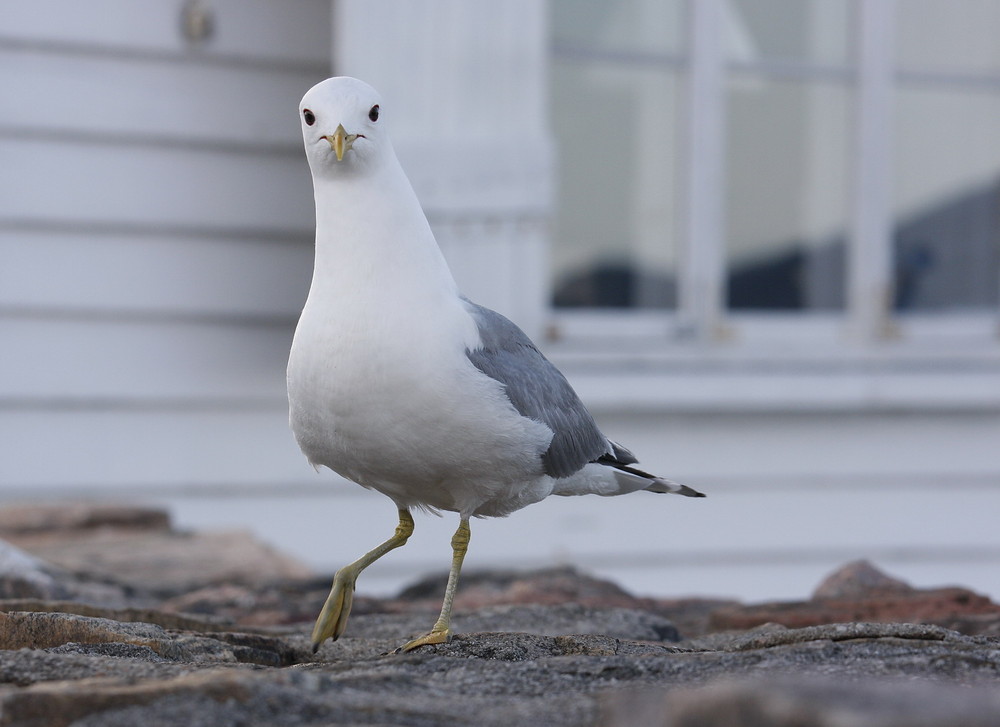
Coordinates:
<point>341,141</point>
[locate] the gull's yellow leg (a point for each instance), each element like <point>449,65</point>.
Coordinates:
<point>442,628</point>
<point>333,618</point>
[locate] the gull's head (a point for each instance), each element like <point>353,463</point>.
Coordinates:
<point>341,124</point>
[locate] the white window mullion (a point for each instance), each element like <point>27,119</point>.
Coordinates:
<point>870,286</point>
<point>702,259</point>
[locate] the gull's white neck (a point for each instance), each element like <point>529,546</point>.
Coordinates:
<point>381,287</point>
<point>372,236</point>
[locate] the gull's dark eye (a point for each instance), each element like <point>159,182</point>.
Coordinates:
<point>373,114</point>
<point>309,116</point>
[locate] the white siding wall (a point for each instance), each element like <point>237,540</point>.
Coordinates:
<point>155,241</point>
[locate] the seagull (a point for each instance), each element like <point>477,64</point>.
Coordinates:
<point>398,382</point>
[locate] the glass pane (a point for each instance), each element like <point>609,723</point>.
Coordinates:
<point>787,157</point>
<point>947,199</point>
<point>646,26</point>
<point>814,31</point>
<point>615,240</point>
<point>949,35</point>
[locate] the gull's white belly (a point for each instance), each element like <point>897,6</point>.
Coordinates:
<point>408,415</point>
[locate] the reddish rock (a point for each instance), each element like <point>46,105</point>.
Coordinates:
<point>859,579</point>
<point>296,601</point>
<point>860,592</point>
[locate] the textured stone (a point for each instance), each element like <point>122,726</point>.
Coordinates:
<point>286,601</point>
<point>790,702</point>
<point>80,661</point>
<point>24,576</point>
<point>771,635</point>
<point>21,522</point>
<point>549,586</point>
<point>508,587</point>
<point>859,579</point>
<point>389,631</point>
<point>300,600</point>
<point>516,678</point>
<point>161,563</point>
<point>166,619</point>
<point>860,592</point>
<point>21,630</point>
<point>136,548</point>
<point>63,703</point>
<point>553,647</point>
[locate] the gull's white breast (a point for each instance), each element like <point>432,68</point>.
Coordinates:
<point>381,391</point>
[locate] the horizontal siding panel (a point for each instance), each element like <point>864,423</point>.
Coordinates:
<point>150,98</point>
<point>73,452</point>
<point>155,240</point>
<point>266,29</point>
<point>150,274</point>
<point>169,188</point>
<point>56,359</point>
<point>814,449</point>
<point>787,391</point>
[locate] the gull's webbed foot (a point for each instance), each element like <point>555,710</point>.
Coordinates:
<point>332,619</point>
<point>434,637</point>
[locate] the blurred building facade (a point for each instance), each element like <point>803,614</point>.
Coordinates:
<point>761,237</point>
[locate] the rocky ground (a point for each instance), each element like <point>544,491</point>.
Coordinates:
<point>110,617</point>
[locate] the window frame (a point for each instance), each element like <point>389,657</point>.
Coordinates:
<point>701,315</point>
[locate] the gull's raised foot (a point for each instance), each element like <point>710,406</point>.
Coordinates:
<point>434,637</point>
<point>332,619</point>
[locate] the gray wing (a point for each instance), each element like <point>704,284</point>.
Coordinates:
<point>539,391</point>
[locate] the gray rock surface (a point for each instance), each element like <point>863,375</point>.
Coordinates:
<point>804,702</point>
<point>802,677</point>
<point>548,648</point>
<point>24,576</point>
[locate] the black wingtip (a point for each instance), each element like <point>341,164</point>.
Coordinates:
<point>690,492</point>
<point>674,488</point>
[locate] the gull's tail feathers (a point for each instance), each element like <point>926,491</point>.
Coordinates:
<point>656,484</point>
<point>622,460</point>
<point>674,488</point>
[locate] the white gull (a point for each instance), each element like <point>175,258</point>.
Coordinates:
<point>399,383</point>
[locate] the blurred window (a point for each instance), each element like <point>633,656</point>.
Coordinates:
<point>787,153</point>
<point>792,181</point>
<point>946,163</point>
<point>948,35</point>
<point>786,194</point>
<point>811,33</point>
<point>614,108</point>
